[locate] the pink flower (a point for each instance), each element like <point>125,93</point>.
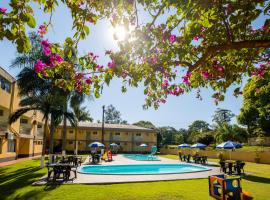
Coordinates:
<point>176,91</point>
<point>205,74</point>
<point>42,30</point>
<point>111,64</point>
<point>99,67</point>
<point>264,28</point>
<point>47,51</point>
<point>172,39</point>
<point>56,58</point>
<point>186,78</point>
<point>88,81</point>
<point>165,84</point>
<point>3,10</point>
<point>194,49</point>
<point>221,69</point>
<point>154,60</point>
<point>196,38</point>
<point>45,43</point>
<point>203,29</point>
<point>39,66</point>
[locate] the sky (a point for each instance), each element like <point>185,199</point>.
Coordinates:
<point>178,112</point>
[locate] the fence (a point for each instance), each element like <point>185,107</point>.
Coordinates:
<point>264,156</point>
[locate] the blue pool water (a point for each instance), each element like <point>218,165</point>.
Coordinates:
<point>142,169</point>
<point>141,157</point>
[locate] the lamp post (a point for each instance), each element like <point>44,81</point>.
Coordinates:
<point>102,134</point>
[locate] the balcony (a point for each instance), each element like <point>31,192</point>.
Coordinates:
<point>3,126</point>
<point>25,130</point>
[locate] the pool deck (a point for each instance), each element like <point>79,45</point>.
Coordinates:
<point>121,160</point>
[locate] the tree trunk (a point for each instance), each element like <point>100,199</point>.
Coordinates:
<point>76,142</point>
<point>52,127</point>
<point>64,134</point>
<point>44,143</point>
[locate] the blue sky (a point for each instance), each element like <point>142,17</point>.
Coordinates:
<point>178,112</point>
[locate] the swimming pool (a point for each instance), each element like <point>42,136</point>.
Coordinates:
<point>141,157</point>
<point>142,169</point>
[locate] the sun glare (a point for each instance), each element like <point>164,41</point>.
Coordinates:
<point>119,32</point>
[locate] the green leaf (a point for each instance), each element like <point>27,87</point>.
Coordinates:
<point>31,21</point>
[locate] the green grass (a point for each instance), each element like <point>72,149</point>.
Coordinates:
<point>15,183</point>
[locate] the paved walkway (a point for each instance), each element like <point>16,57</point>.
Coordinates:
<point>121,160</point>
<point>12,162</point>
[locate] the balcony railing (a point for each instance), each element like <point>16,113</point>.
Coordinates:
<point>3,127</point>
<point>26,131</point>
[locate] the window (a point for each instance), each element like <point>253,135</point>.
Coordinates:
<point>138,134</point>
<point>11,145</point>
<point>94,133</point>
<point>39,126</point>
<point>5,84</point>
<point>1,113</point>
<point>117,133</point>
<point>23,121</point>
<point>71,131</point>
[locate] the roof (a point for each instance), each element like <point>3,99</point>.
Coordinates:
<point>6,75</point>
<point>121,127</point>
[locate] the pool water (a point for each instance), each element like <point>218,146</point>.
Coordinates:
<point>141,157</point>
<point>142,169</point>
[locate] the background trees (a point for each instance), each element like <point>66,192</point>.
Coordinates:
<point>255,112</point>
<point>222,116</point>
<point>113,116</point>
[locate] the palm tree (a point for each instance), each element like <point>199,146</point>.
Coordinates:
<point>51,108</point>
<point>81,114</point>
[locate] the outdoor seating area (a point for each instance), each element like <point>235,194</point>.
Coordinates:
<point>196,158</point>
<point>232,167</point>
<point>60,169</point>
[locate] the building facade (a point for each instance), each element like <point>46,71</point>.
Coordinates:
<point>128,137</point>
<point>24,137</point>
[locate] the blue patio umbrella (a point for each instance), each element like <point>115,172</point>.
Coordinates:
<point>229,145</point>
<point>113,145</point>
<point>96,145</point>
<point>236,145</point>
<point>143,145</point>
<point>198,146</point>
<point>182,146</point>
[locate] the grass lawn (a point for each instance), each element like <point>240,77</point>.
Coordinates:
<point>15,183</point>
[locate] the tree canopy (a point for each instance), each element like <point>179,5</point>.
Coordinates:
<point>113,116</point>
<point>255,112</point>
<point>186,44</point>
<point>145,124</point>
<point>222,116</point>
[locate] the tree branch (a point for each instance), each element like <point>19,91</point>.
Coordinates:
<point>156,16</point>
<point>214,50</point>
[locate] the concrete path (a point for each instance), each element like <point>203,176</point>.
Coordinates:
<point>121,160</point>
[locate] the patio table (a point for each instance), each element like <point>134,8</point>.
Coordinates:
<point>58,169</point>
